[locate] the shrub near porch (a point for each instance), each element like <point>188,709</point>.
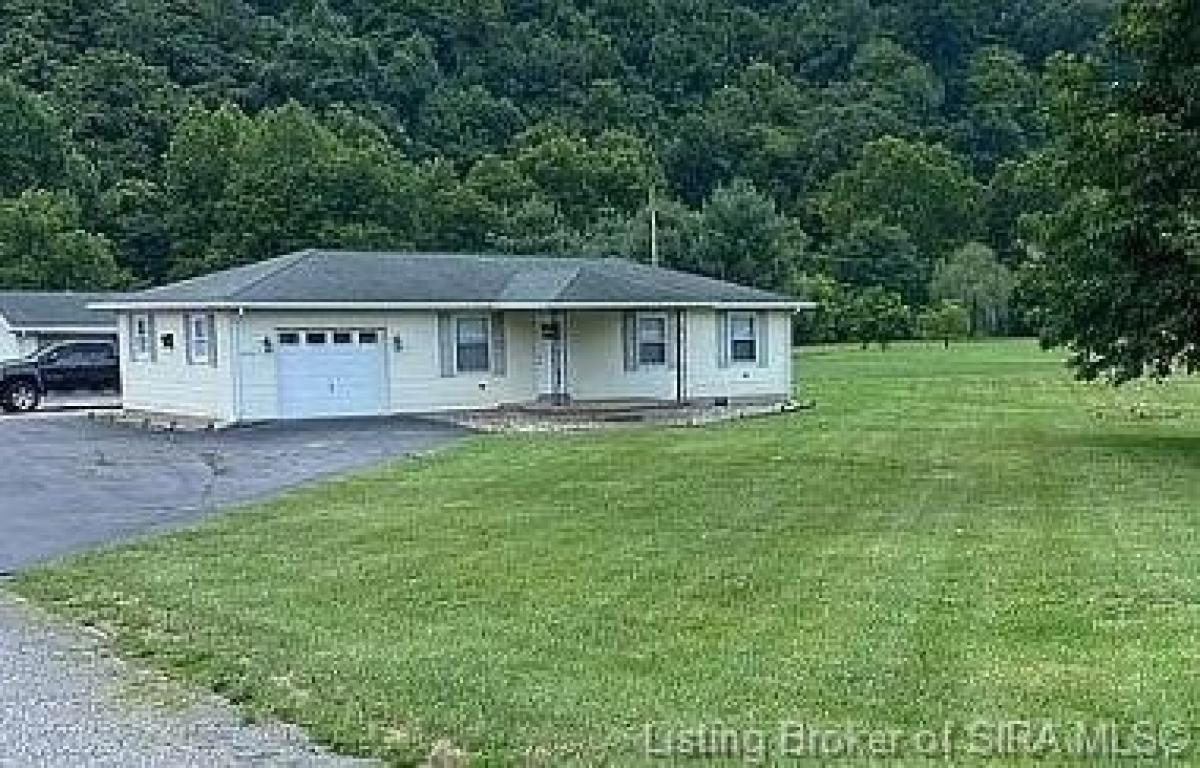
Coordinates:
<point>951,535</point>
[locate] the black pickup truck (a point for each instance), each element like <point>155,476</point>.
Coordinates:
<point>73,366</point>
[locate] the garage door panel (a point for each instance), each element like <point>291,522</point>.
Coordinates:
<point>317,377</point>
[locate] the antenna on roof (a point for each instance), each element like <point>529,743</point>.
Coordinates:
<point>653,229</point>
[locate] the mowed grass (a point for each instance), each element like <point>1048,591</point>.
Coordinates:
<point>950,535</point>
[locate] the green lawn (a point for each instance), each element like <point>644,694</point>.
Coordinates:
<point>949,535</point>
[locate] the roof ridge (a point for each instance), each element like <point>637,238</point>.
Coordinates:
<point>286,262</point>
<point>579,265</point>
<point>633,280</point>
<point>641,266</point>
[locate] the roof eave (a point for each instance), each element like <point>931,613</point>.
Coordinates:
<point>109,328</point>
<point>793,306</point>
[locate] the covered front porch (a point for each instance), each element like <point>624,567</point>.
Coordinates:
<point>637,358</point>
<point>610,359</point>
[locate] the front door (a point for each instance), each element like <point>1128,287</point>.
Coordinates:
<point>550,358</point>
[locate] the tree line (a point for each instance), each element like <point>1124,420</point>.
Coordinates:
<point>889,159</point>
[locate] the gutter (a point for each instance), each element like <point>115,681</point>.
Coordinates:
<point>22,329</point>
<point>791,306</point>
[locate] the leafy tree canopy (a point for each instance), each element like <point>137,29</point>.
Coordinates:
<point>1119,269</point>
<point>859,141</point>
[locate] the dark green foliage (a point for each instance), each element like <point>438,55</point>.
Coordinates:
<point>1119,276</point>
<point>862,139</point>
<point>921,188</point>
<point>35,149</point>
<point>872,252</point>
<point>42,246</point>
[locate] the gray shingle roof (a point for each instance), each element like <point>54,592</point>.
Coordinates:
<point>320,277</point>
<point>44,310</point>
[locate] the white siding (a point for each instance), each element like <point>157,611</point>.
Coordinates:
<point>706,379</point>
<point>414,370</point>
<point>242,386</point>
<point>168,383</point>
<point>8,342</point>
<point>597,363</point>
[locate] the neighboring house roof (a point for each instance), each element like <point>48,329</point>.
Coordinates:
<point>320,278</point>
<point>62,312</point>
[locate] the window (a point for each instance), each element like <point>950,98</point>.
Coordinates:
<point>289,339</point>
<point>471,353</point>
<point>652,339</point>
<point>343,337</point>
<point>315,337</point>
<point>199,337</point>
<point>743,338</point>
<point>141,342</point>
<point>368,337</point>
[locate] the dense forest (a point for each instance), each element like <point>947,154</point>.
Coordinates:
<point>884,157</point>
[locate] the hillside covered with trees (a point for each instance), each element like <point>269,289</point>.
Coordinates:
<point>878,155</point>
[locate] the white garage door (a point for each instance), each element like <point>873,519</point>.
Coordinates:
<point>330,372</point>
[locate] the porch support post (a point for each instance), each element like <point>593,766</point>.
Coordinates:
<point>680,357</point>
<point>561,395</point>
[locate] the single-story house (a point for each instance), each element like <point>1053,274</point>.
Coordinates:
<point>31,320</point>
<point>334,333</point>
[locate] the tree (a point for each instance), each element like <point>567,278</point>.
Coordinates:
<point>924,189</point>
<point>832,319</point>
<point>589,178</point>
<point>537,125</point>
<point>43,246</point>
<point>975,279</point>
<point>892,75</point>
<point>121,112</point>
<point>875,253</point>
<point>1019,190</point>
<point>1002,119</point>
<point>1119,273</point>
<point>466,123</point>
<point>945,320</point>
<point>35,150</point>
<point>879,316</point>
<point>239,187</point>
<point>745,239</point>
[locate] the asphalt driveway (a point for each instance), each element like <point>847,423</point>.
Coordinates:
<point>68,483</point>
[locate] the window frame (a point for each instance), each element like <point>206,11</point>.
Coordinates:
<point>734,339</point>
<point>141,339</point>
<point>459,345</point>
<point>665,343</point>
<point>199,346</point>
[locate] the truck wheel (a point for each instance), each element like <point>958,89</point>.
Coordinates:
<point>21,396</point>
